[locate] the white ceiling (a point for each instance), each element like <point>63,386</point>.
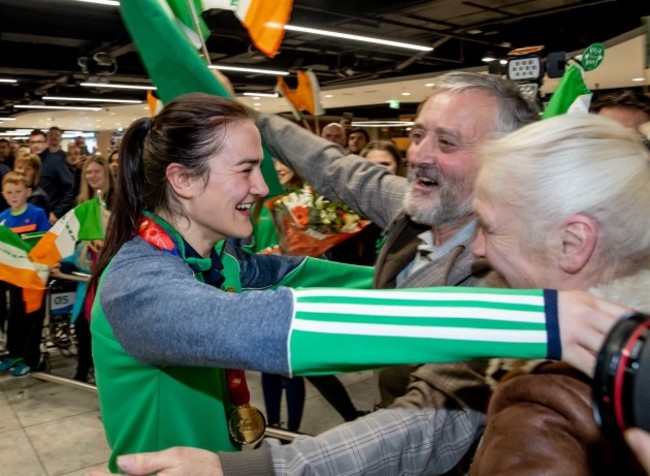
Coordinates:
<point>625,58</point>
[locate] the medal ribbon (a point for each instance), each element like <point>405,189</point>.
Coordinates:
<point>156,232</point>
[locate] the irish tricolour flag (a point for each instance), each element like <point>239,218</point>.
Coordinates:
<point>571,95</point>
<point>16,268</point>
<point>30,269</point>
<point>263,19</point>
<point>82,223</point>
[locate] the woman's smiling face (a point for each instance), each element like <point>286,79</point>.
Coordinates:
<point>221,208</point>
<point>95,176</point>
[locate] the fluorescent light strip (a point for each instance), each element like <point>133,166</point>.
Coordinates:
<point>262,95</point>
<point>7,118</point>
<point>64,108</point>
<point>119,101</point>
<point>248,70</point>
<point>6,80</point>
<point>118,86</point>
<point>10,134</point>
<point>365,39</point>
<point>110,3</point>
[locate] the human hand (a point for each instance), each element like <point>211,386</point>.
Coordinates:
<point>176,461</point>
<point>584,322</point>
<point>96,246</point>
<point>52,218</point>
<point>639,441</point>
<point>55,270</point>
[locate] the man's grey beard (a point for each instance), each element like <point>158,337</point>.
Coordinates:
<point>445,209</point>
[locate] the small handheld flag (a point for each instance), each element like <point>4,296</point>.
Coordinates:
<point>306,97</point>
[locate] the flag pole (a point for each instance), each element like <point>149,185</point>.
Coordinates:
<point>197,26</point>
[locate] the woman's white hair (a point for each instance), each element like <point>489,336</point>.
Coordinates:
<point>575,163</point>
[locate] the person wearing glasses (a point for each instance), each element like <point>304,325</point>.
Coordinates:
<point>56,178</point>
<point>37,141</point>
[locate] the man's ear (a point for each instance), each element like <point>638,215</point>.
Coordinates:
<point>182,181</point>
<point>579,235</point>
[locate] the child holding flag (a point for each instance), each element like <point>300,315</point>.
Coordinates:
<point>23,328</point>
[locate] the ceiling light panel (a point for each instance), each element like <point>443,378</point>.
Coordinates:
<point>63,108</point>
<point>364,39</point>
<point>118,101</point>
<point>119,86</point>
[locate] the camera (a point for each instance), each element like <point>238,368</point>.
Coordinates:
<point>621,385</point>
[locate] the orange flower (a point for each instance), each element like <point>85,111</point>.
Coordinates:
<point>301,215</point>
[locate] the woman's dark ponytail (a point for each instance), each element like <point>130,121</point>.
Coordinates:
<point>127,205</point>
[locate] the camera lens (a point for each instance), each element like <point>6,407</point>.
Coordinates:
<point>621,387</point>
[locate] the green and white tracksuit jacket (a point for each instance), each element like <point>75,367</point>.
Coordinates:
<point>161,338</point>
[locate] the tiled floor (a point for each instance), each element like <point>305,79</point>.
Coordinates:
<point>49,429</point>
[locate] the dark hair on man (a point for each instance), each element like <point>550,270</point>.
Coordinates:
<point>37,132</point>
<point>360,130</point>
<point>54,128</point>
<point>188,131</point>
<point>621,98</point>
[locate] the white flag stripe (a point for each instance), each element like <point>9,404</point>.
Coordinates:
<point>65,245</point>
<point>15,257</point>
<point>423,312</point>
<point>580,105</point>
<point>449,333</point>
<point>67,220</point>
<point>535,300</point>
<point>67,230</point>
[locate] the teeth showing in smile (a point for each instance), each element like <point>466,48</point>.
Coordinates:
<point>244,207</point>
<point>426,182</point>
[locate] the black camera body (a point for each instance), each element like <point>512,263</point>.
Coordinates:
<point>621,386</point>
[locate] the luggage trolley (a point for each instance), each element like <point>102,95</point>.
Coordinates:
<point>58,332</point>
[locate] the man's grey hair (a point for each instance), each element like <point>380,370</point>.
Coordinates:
<point>515,110</point>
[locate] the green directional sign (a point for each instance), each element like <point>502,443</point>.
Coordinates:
<point>593,56</point>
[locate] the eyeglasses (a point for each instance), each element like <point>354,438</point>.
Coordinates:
<point>37,142</point>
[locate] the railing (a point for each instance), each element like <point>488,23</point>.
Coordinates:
<point>271,432</point>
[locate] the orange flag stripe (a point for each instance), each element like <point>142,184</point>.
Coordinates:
<point>265,22</point>
<point>33,286</point>
<point>46,251</point>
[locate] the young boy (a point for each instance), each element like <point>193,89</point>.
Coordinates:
<point>23,329</point>
<point>30,166</point>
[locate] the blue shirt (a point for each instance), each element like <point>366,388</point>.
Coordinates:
<point>32,219</point>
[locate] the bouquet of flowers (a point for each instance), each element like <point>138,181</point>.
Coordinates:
<point>309,224</point>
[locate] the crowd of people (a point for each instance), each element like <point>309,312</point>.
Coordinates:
<point>500,259</point>
<point>40,183</point>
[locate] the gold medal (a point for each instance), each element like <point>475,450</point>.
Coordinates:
<point>246,425</point>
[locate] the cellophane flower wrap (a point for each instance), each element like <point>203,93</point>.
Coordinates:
<point>310,224</point>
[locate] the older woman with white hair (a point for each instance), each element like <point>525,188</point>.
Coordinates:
<point>562,203</point>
